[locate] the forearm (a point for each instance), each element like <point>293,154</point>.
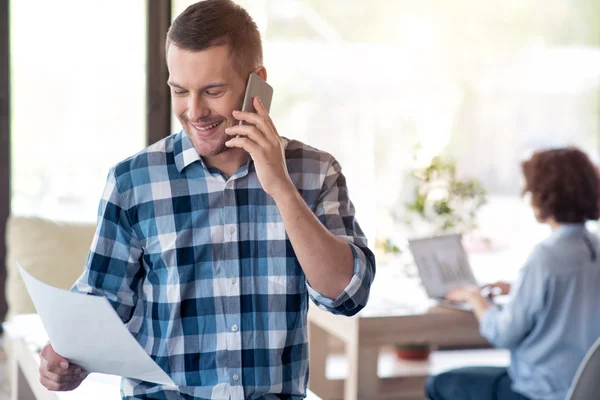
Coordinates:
<point>326,259</point>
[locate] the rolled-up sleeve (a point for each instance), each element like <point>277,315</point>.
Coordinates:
<point>113,267</point>
<point>507,326</point>
<point>336,213</point>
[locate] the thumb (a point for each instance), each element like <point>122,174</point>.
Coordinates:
<point>53,359</point>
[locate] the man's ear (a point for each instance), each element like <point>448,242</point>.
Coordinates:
<point>262,72</point>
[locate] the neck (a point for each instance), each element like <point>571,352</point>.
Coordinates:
<point>228,161</point>
<point>553,224</point>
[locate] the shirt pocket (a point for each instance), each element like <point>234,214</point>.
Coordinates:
<point>178,240</point>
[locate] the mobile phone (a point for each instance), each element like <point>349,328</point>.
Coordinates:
<point>256,86</point>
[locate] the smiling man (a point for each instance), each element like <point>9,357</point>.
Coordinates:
<point>211,242</point>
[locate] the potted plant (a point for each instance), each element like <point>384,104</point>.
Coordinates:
<point>443,202</point>
<point>413,351</point>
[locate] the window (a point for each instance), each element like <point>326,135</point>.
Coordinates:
<point>78,71</point>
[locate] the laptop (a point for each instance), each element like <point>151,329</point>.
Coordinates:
<point>443,265</point>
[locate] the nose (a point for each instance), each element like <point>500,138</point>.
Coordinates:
<point>197,108</point>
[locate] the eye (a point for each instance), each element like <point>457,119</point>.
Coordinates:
<point>212,93</point>
<point>179,92</point>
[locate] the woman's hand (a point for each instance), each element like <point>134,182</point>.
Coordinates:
<point>462,294</point>
<point>497,288</point>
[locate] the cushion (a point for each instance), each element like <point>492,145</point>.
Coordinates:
<point>53,252</point>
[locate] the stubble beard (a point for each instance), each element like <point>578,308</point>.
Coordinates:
<point>207,148</point>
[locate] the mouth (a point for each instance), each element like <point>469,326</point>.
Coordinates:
<point>206,129</point>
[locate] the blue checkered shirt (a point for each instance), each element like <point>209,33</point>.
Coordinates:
<point>200,268</point>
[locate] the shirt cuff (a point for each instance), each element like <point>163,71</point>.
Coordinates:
<point>487,324</point>
<point>352,290</point>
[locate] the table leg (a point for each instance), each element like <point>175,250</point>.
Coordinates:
<point>317,354</point>
<point>19,386</point>
<point>362,382</point>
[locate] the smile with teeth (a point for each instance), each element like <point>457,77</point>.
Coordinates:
<point>209,127</point>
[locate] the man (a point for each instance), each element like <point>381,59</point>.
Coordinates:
<point>210,242</point>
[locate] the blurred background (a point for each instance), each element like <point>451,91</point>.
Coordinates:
<point>430,106</point>
<point>390,88</point>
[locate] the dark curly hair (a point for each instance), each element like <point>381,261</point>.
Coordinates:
<point>564,184</point>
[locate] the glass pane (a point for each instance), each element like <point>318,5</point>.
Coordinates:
<point>78,71</point>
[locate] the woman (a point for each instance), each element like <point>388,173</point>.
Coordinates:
<point>552,317</point>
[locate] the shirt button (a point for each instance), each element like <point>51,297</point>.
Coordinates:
<point>232,230</point>
<point>233,281</point>
<point>236,377</point>
<point>234,328</point>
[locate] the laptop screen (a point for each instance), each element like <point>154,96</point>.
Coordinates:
<point>442,263</point>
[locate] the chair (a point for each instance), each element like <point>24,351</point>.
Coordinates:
<point>586,385</point>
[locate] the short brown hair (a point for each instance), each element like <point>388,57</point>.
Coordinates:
<point>218,22</point>
<point>564,184</point>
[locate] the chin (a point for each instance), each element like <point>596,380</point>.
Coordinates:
<point>216,151</point>
<point>210,148</point>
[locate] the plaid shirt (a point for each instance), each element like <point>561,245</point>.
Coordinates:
<point>201,270</point>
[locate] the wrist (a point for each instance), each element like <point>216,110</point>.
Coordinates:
<point>284,192</point>
<point>474,294</point>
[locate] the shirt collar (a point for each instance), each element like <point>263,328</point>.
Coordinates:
<point>185,152</point>
<point>568,230</point>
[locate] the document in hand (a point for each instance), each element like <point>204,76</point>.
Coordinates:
<point>87,331</point>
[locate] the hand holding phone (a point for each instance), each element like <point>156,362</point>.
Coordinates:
<point>259,137</point>
<point>256,86</point>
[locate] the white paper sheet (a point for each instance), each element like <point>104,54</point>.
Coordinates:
<point>87,331</point>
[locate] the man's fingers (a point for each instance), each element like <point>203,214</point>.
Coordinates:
<point>57,373</point>
<point>262,122</point>
<point>250,117</point>
<point>249,131</point>
<point>73,385</point>
<point>55,386</point>
<point>49,384</point>
<point>54,362</point>
<point>259,107</point>
<point>61,378</point>
<point>262,111</point>
<point>244,143</point>
<point>55,367</point>
<point>76,370</point>
<point>254,119</point>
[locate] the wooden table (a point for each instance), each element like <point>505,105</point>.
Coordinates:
<point>366,333</point>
